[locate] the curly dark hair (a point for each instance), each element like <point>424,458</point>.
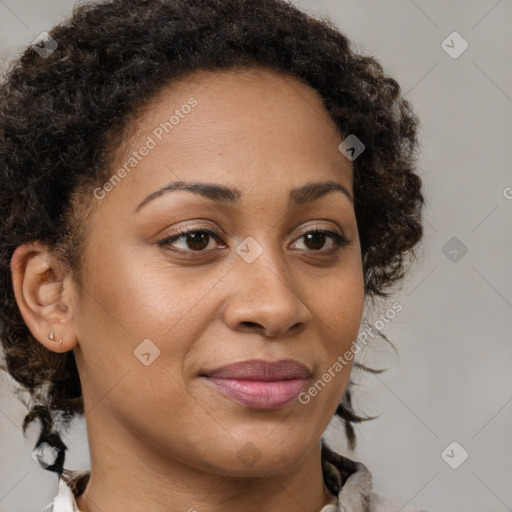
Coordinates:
<point>62,116</point>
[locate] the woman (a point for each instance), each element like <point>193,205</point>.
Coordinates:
<point>198,198</point>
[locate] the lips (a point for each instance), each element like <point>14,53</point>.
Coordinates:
<point>261,370</point>
<point>260,384</point>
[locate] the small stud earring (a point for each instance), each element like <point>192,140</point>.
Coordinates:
<point>52,337</point>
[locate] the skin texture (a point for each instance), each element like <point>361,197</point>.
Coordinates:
<point>161,438</point>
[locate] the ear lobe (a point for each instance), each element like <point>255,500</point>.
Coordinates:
<point>45,295</point>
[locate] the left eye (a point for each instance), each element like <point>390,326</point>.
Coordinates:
<point>317,238</point>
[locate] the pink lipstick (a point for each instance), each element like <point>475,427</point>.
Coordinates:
<point>261,384</point>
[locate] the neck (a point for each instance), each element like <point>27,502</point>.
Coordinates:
<point>130,475</point>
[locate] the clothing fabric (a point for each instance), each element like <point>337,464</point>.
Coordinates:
<point>349,482</point>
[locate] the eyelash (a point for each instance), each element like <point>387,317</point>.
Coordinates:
<point>339,240</point>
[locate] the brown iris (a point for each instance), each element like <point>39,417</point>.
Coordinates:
<point>316,238</point>
<point>197,240</point>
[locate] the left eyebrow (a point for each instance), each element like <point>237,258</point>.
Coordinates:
<point>221,193</point>
<point>315,190</point>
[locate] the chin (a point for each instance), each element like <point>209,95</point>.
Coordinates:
<point>256,458</point>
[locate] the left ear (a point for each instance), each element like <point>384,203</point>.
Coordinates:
<point>46,293</point>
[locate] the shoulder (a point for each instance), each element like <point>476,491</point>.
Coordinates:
<point>381,503</point>
<point>352,482</point>
<point>64,501</point>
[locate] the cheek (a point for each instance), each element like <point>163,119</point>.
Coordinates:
<point>140,298</point>
<point>339,301</point>
<point>142,295</point>
<point>135,327</point>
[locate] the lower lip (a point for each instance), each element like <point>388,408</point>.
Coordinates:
<point>260,394</point>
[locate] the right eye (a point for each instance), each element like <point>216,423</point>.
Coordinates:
<point>194,240</point>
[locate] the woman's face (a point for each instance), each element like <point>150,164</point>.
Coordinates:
<point>153,315</point>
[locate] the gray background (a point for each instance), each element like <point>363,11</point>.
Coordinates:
<point>453,380</point>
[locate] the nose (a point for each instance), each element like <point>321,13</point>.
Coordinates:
<point>264,299</point>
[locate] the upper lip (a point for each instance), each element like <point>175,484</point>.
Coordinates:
<point>259,369</point>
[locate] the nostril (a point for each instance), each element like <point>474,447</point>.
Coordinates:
<point>251,324</point>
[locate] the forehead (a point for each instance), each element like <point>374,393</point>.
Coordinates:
<point>234,106</point>
<point>255,127</point>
